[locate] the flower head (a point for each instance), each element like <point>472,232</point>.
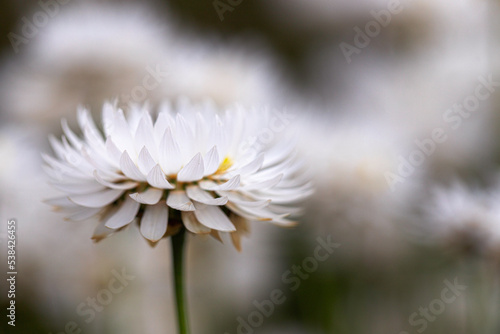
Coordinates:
<point>196,168</point>
<point>460,217</point>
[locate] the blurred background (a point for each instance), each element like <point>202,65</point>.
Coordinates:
<point>398,112</point>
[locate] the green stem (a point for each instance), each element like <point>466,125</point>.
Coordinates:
<point>178,256</point>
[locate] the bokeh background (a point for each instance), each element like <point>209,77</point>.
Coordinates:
<point>398,117</point>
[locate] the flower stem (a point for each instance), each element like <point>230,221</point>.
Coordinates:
<point>178,256</point>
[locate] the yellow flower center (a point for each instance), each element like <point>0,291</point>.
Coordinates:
<point>225,165</point>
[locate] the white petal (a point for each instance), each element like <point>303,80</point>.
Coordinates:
<point>178,200</point>
<point>199,195</point>
<point>211,161</point>
<point>158,179</point>
<point>78,188</point>
<point>61,169</point>
<point>241,200</point>
<point>193,171</point>
<point>122,185</point>
<point>95,142</point>
<point>84,214</point>
<point>292,197</point>
<point>108,111</point>
<point>86,123</point>
<point>111,176</point>
<point>129,168</point>
<point>184,136</point>
<point>57,146</point>
<point>163,121</point>
<point>73,139</point>
<point>144,135</point>
<point>113,151</point>
<point>94,162</point>
<point>231,184</point>
<point>192,224</point>
<point>124,215</point>
<point>150,196</point>
<point>170,154</point>
<point>121,135</point>
<point>253,166</point>
<point>97,199</point>
<point>281,209</point>
<point>101,232</point>
<point>63,202</point>
<point>264,184</point>
<point>256,214</point>
<point>145,161</point>
<point>154,221</point>
<point>277,153</point>
<point>213,217</point>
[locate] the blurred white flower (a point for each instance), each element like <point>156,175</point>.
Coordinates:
<point>420,88</point>
<point>194,167</point>
<point>227,73</point>
<point>459,217</point>
<point>352,158</point>
<point>86,54</point>
<point>354,200</point>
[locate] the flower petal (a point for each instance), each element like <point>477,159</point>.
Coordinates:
<point>83,214</point>
<point>123,185</point>
<point>72,137</point>
<point>231,184</point>
<point>178,200</point>
<point>154,221</point>
<point>211,161</point>
<point>192,224</point>
<point>193,171</point>
<point>242,229</point>
<point>124,215</point>
<point>98,199</point>
<point>242,200</point>
<point>145,161</point>
<point>113,151</point>
<point>78,188</point>
<point>199,195</point>
<point>264,184</point>
<point>213,217</point>
<point>60,202</point>
<point>158,179</point>
<point>129,168</point>
<point>184,136</point>
<point>252,166</point>
<point>252,213</point>
<point>144,135</point>
<point>150,196</point>
<point>170,154</point>
<point>121,134</point>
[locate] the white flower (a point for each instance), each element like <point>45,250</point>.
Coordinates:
<point>459,216</point>
<point>227,73</point>
<point>86,54</point>
<point>195,168</point>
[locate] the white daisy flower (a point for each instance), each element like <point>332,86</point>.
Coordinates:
<point>197,168</point>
